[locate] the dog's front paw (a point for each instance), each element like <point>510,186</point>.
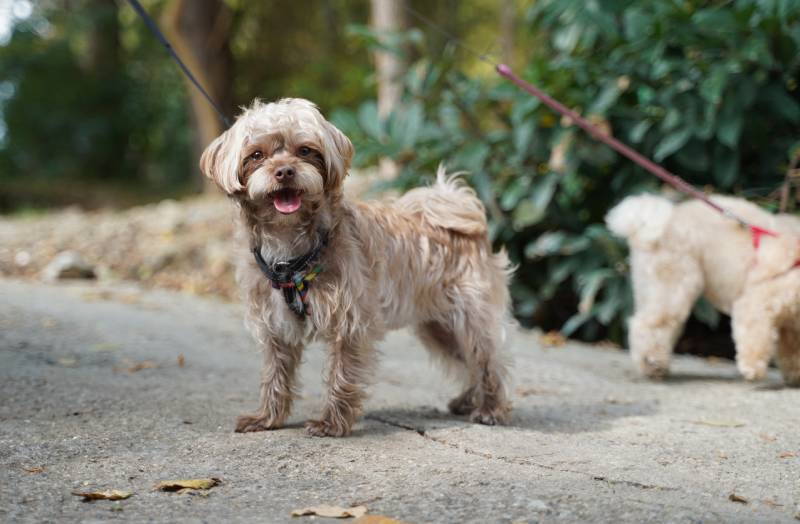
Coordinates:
<point>489,417</point>
<point>653,368</point>
<point>249,423</point>
<point>324,428</point>
<point>753,371</point>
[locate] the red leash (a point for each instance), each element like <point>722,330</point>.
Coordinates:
<point>641,160</point>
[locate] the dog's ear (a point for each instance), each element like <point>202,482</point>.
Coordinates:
<point>338,155</point>
<point>220,161</point>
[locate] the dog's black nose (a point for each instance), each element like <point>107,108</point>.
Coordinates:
<point>284,172</point>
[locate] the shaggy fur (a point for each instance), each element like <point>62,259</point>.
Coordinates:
<point>680,252</point>
<point>423,260</point>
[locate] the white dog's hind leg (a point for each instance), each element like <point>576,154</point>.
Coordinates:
<point>788,355</point>
<point>666,286</point>
<point>755,333</point>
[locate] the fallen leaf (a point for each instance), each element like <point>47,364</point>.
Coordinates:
<point>178,485</point>
<point>768,437</point>
<point>181,360</point>
<point>376,519</point>
<point>147,364</point>
<point>772,503</point>
<point>719,423</point>
<point>722,454</point>
<point>787,454</point>
<point>733,497</point>
<point>553,339</point>
<point>323,510</point>
<point>110,494</point>
<point>193,492</point>
<point>34,470</point>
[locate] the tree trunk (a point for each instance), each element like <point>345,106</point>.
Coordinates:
<point>508,17</point>
<point>199,30</point>
<point>388,16</point>
<point>103,47</point>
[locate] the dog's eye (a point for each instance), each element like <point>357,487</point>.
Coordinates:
<point>255,155</point>
<point>304,151</point>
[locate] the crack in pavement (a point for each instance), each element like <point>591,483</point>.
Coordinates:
<point>516,461</point>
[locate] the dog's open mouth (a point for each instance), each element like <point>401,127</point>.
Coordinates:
<point>287,201</point>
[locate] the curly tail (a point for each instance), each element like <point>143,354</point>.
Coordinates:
<point>640,219</point>
<point>449,203</point>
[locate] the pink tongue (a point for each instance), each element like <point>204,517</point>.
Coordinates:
<point>287,202</point>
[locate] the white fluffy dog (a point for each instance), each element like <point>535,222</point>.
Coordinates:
<point>680,252</point>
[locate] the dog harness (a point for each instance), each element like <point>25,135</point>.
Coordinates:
<point>294,276</point>
<point>759,232</point>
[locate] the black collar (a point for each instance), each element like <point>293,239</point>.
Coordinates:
<point>287,274</point>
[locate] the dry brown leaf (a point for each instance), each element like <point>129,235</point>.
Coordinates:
<point>34,470</point>
<point>553,339</point>
<point>733,497</point>
<point>767,437</point>
<point>147,364</point>
<point>109,494</point>
<point>787,454</point>
<point>179,485</point>
<point>719,423</point>
<point>181,360</point>
<point>376,519</point>
<point>337,512</point>
<point>772,503</point>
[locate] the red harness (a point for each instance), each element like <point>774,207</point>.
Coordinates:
<point>759,232</point>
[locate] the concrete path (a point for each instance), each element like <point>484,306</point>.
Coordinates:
<point>589,441</point>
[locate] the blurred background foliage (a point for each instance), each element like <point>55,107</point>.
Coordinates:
<point>93,112</point>
<point>707,88</point>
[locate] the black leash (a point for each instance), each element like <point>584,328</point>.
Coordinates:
<point>160,36</point>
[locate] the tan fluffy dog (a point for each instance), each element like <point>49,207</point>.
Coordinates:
<point>680,252</point>
<point>423,260</point>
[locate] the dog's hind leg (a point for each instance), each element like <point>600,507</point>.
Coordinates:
<point>482,336</point>
<point>439,339</point>
<point>471,347</point>
<point>479,328</point>
<point>666,286</point>
<point>788,355</point>
<point>755,332</point>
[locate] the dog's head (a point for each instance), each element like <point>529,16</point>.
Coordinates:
<point>283,154</point>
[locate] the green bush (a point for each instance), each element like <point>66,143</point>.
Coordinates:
<point>709,89</point>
